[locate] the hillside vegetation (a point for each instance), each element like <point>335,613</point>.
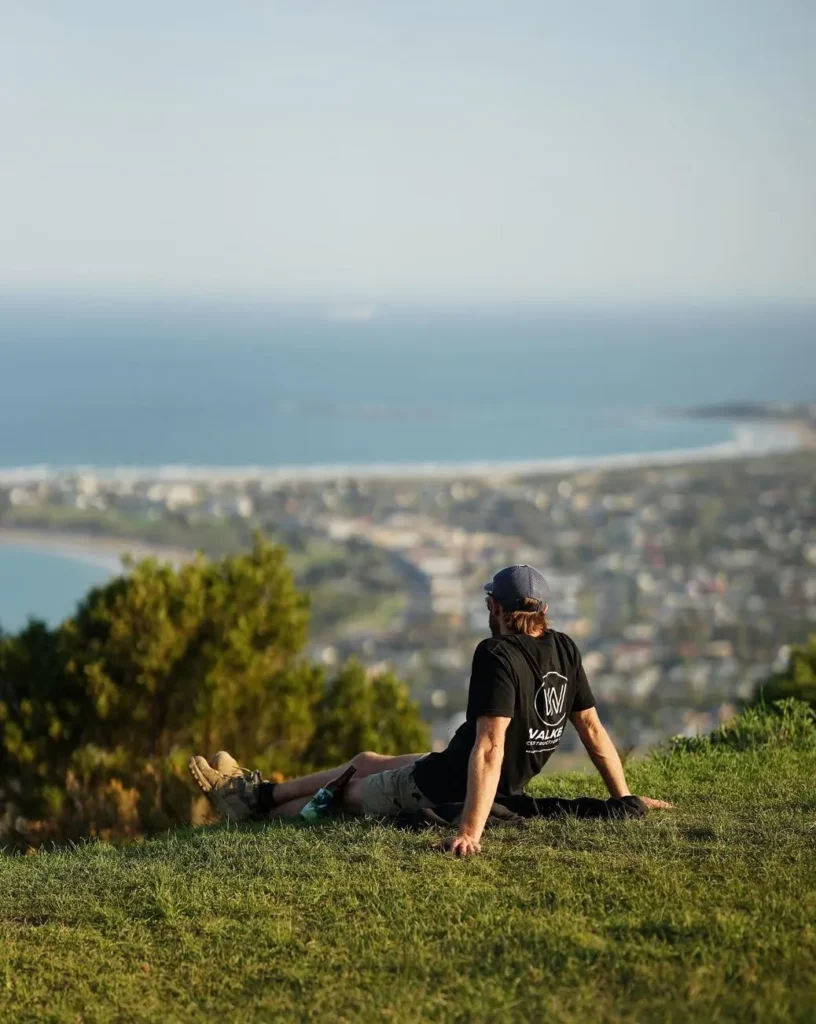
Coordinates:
<point>99,715</point>
<point>706,913</point>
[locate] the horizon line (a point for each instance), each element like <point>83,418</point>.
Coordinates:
<point>330,303</point>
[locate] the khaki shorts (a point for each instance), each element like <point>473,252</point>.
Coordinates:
<point>387,793</point>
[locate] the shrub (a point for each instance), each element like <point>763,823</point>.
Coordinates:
<point>99,716</point>
<point>797,679</point>
<point>781,723</point>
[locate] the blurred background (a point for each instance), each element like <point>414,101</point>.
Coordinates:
<point>414,291</point>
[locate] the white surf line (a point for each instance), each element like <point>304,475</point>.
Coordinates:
<point>751,439</point>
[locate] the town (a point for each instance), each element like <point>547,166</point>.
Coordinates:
<point>683,584</point>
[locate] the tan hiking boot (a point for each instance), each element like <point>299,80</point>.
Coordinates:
<point>235,797</point>
<point>225,763</point>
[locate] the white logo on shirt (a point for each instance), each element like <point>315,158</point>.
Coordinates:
<point>550,699</point>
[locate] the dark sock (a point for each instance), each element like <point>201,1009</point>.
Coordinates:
<point>266,797</point>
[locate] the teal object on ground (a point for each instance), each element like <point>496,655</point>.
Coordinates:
<point>318,806</point>
<point>324,798</point>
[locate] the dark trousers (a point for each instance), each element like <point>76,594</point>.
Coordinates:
<point>515,810</point>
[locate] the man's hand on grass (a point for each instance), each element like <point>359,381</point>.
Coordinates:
<point>657,805</point>
<point>461,846</point>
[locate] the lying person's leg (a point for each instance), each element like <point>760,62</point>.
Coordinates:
<point>238,794</point>
<point>291,809</point>
<point>350,800</point>
<point>379,794</point>
<point>384,794</point>
<point>366,763</point>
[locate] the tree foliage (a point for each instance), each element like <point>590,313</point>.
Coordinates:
<point>99,716</point>
<point>798,679</point>
<point>364,712</point>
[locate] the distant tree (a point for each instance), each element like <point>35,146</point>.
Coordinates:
<point>360,711</point>
<point>99,716</point>
<point>194,656</point>
<point>798,679</point>
<point>42,714</point>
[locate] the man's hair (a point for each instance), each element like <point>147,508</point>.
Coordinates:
<point>531,620</point>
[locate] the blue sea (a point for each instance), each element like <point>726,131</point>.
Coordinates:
<point>42,584</point>
<point>148,383</point>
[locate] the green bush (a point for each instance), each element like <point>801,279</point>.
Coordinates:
<point>360,712</point>
<point>99,716</point>
<point>797,679</point>
<point>788,723</point>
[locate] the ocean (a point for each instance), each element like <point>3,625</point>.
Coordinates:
<point>148,384</point>
<point>42,584</point>
<point>230,383</point>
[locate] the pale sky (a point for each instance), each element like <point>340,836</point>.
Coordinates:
<point>615,150</point>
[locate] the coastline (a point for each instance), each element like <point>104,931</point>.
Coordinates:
<point>104,552</point>
<point>751,439</point>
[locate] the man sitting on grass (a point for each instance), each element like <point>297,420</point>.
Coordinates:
<point>526,681</point>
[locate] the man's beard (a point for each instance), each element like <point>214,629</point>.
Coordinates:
<point>493,622</point>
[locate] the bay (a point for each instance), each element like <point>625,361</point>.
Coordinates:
<point>43,585</point>
<point>228,383</point>
<point>103,382</point>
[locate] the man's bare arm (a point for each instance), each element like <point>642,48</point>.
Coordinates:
<point>605,757</point>
<point>484,770</point>
<point>601,750</point>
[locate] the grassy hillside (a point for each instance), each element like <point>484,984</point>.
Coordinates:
<point>707,913</point>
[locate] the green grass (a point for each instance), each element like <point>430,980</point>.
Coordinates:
<point>704,914</point>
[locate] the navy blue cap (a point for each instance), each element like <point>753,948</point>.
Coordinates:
<point>517,583</point>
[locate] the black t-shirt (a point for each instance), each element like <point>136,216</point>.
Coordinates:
<point>536,681</point>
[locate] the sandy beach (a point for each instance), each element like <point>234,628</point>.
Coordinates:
<point>105,552</point>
